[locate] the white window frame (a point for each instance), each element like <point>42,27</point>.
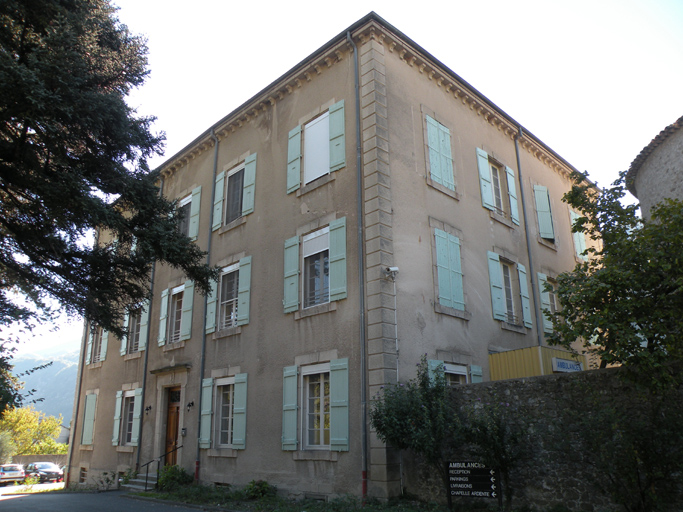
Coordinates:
<point>314,243</point>
<point>220,324</point>
<point>173,336</point>
<point>305,373</point>
<point>226,194</point>
<point>96,348</point>
<point>218,384</point>
<point>509,290</point>
<point>134,324</point>
<point>499,190</point>
<point>455,369</point>
<point>127,418</point>
<point>187,200</point>
<point>316,148</point>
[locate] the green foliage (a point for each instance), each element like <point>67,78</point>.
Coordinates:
<point>172,478</point>
<point>259,489</point>
<point>32,432</point>
<point>7,447</point>
<point>106,480</point>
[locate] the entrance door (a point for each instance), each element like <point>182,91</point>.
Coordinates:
<point>172,425</point>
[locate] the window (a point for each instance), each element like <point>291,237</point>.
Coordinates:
<point>440,158</point>
<point>134,331</point>
<point>498,187</point>
<point>449,272</point>
<point>323,256</point>
<point>97,345</point>
<point>188,213</point>
<point>579,237</point>
<point>509,291</point>
<point>324,413</point>
<point>228,302</point>
<point>89,418</point>
<point>83,475</point>
<point>235,193</point>
<point>175,322</point>
<point>322,144</point>
<point>127,417</point>
<point>546,229</point>
<point>184,207</point>
<point>547,289</point>
<point>228,397</point>
<point>136,324</point>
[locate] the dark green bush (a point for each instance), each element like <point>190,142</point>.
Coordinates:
<point>257,489</point>
<point>173,477</point>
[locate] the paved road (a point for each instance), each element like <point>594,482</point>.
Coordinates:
<point>113,501</point>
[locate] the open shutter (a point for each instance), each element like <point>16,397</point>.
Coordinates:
<point>117,419</point>
<point>163,317</point>
<point>338,259</point>
<point>579,237</point>
<point>545,219</point>
<point>496,282</point>
<point>103,346</point>
<point>524,292</point>
<point>239,413</point>
<point>144,325</point>
<point>186,320</point>
<point>89,419</point>
<point>291,297</point>
<point>485,179</point>
<point>289,408</point>
<point>244,291</point>
<point>294,160</point>
<point>512,193</point>
<point>137,414</point>
<point>476,374</point>
<point>196,203</point>
<point>249,184</point>
<point>337,137</point>
<point>88,350</point>
<point>339,405</point>
<point>545,302</point>
<point>449,272</point>
<point>206,412</point>
<point>217,220</point>
<point>211,301</point>
<point>433,367</point>
<point>124,339</point>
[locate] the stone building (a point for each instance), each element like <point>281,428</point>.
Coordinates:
<point>366,208</point>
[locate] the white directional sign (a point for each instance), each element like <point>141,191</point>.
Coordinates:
<point>472,480</point>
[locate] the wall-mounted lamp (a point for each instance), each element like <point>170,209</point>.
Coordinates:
<point>391,272</point>
<point>147,409</point>
<point>190,406</point>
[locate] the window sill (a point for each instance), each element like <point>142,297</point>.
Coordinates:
<point>502,219</point>
<point>457,313</point>
<point>86,447</point>
<point>315,310</point>
<point>317,183</point>
<point>442,189</point>
<point>550,244</point>
<point>222,452</point>
<point>225,333</point>
<point>235,223</point>
<point>125,449</point>
<point>134,355</point>
<point>93,366</point>
<point>174,346</point>
<point>512,327</point>
<point>315,455</point>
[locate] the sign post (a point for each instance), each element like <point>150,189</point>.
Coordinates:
<point>470,479</point>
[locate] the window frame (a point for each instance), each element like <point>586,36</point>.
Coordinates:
<point>175,314</point>
<point>306,373</point>
<point>127,418</point>
<point>96,347</point>
<point>184,221</point>
<point>134,330</point>
<point>519,291</point>
<point>229,194</point>
<point>218,407</point>
<point>455,369</point>
<point>320,241</point>
<point>220,324</point>
<point>507,183</point>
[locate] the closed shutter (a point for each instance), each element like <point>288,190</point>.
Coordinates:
<point>337,137</point>
<point>289,408</point>
<point>244,291</point>
<point>433,366</point>
<point>512,193</point>
<point>339,405</point>
<point>206,413</point>
<point>124,339</point>
<point>186,320</point>
<point>239,413</point>
<point>496,282</point>
<point>249,184</point>
<point>545,218</point>
<point>524,293</point>
<point>545,302</point>
<point>217,220</point>
<point>163,317</point>
<point>476,374</point>
<point>294,160</point>
<point>291,296</point>
<point>137,413</point>
<point>338,259</point>
<point>485,179</point>
<point>88,350</point>
<point>449,272</point>
<point>103,346</point>
<point>117,419</point>
<point>435,172</point>
<point>440,155</point>
<point>579,237</point>
<point>211,301</point>
<point>193,230</point>
<point>144,325</point>
<point>89,419</point>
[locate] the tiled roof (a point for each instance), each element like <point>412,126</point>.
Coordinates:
<point>647,151</point>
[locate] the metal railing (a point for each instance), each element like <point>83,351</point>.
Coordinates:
<point>158,461</point>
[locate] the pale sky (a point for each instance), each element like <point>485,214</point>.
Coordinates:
<point>596,80</point>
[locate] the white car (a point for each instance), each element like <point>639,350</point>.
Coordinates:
<point>11,473</point>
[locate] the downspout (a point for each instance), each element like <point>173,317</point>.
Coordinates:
<point>532,274</point>
<point>206,302</point>
<point>361,277</point>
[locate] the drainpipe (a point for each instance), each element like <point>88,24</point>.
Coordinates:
<point>532,274</point>
<point>361,278</point>
<point>206,302</point>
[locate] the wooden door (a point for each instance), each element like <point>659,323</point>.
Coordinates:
<point>172,422</point>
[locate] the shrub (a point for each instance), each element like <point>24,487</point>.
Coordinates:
<point>173,477</point>
<point>257,489</point>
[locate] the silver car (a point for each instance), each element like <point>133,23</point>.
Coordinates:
<point>11,473</point>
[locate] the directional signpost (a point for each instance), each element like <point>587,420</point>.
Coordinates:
<point>472,480</point>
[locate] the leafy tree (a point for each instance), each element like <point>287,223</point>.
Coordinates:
<point>7,448</point>
<point>32,432</point>
<point>625,300</point>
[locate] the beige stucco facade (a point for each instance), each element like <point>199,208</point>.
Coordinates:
<point>374,325</point>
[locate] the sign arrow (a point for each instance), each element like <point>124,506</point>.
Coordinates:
<point>493,471</point>
<point>493,478</point>
<point>493,494</point>
<point>493,486</point>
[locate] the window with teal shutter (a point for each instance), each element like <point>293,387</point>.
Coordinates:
<point>485,183</point>
<point>211,300</point>
<point>124,339</point>
<point>195,205</point>
<point>543,212</point>
<point>144,324</point>
<point>244,291</point>
<point>103,346</point>
<point>117,418</point>
<point>440,155</point>
<point>249,184</point>
<point>291,280</point>
<point>545,302</point>
<point>217,220</point>
<point>337,137</point>
<point>163,317</point>
<point>294,160</point>
<point>433,367</point>
<point>496,283</point>
<point>239,422</point>
<point>289,408</point>
<point>524,294</point>
<point>89,419</point>
<point>88,350</point>
<point>449,271</point>
<point>476,374</point>
<point>137,412</point>
<point>338,259</point>
<point>579,237</point>
<point>512,194</point>
<point>339,405</point>
<point>186,321</point>
<point>206,413</point>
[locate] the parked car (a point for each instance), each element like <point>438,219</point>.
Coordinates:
<point>44,471</point>
<point>11,473</point>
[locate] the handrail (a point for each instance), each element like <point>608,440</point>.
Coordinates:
<point>157,460</point>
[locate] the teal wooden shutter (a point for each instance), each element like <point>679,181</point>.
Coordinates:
<point>449,272</point>
<point>186,320</point>
<point>205,414</point>
<point>435,172</point>
<point>137,414</point>
<point>88,350</point>
<point>579,237</point>
<point>144,325</point>
<point>524,293</point>
<point>339,405</point>
<point>337,137</point>
<point>239,412</point>
<point>485,179</point>
<point>289,408</point>
<point>195,205</point>
<point>244,291</point>
<point>545,218</point>
<point>433,366</point>
<point>89,419</point>
<point>163,317</point>
<point>211,300</point>
<point>249,184</point>
<point>545,302</point>
<point>476,374</point>
<point>512,194</point>
<point>338,259</point>
<point>291,297</point>
<point>440,155</point>
<point>294,160</point>
<point>496,282</point>
<point>117,419</point>
<point>217,220</point>
<point>124,339</point>
<point>104,344</point>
